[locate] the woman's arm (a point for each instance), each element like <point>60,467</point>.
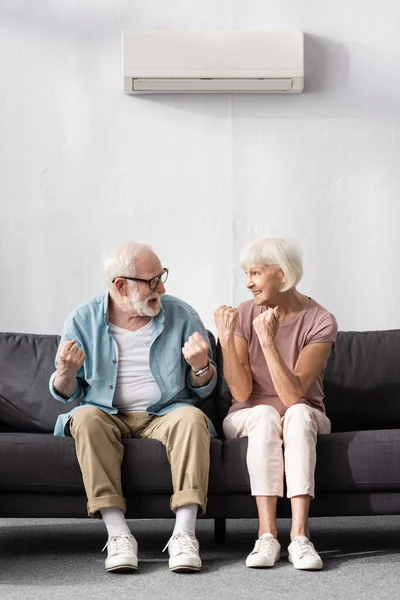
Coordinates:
<point>235,354</point>
<point>291,386</point>
<point>237,369</point>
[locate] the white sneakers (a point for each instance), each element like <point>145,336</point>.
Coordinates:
<point>303,555</point>
<point>122,553</point>
<point>266,552</point>
<point>183,553</point>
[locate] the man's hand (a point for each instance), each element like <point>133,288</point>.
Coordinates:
<point>195,351</point>
<point>266,326</point>
<point>226,318</point>
<point>70,359</point>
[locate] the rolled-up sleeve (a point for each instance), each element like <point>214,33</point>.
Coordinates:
<point>75,395</point>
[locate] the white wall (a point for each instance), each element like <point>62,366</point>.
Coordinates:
<point>82,166</point>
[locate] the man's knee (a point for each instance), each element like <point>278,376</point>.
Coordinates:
<point>190,416</point>
<point>86,419</point>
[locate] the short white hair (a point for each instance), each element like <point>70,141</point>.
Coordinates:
<point>121,261</point>
<point>277,253</point>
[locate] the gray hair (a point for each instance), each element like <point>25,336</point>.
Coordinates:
<point>121,261</point>
<point>278,253</point>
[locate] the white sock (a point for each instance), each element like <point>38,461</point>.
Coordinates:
<point>114,521</point>
<point>186,519</point>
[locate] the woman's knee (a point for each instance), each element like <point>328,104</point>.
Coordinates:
<point>264,417</point>
<point>264,414</point>
<point>299,416</point>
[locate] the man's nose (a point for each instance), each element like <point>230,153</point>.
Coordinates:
<point>160,287</point>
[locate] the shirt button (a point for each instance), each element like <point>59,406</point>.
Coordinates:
<point>114,361</point>
<point>110,387</point>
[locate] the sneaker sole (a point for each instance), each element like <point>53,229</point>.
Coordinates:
<point>318,568</point>
<point>264,566</point>
<point>184,569</point>
<point>121,569</point>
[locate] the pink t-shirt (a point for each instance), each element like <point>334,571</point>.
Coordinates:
<point>312,324</point>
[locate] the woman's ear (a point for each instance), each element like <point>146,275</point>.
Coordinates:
<point>280,275</point>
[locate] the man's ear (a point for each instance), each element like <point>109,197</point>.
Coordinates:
<point>121,286</point>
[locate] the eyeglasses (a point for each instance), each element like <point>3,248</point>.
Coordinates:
<point>152,283</point>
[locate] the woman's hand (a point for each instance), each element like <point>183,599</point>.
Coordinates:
<point>226,318</point>
<point>266,326</point>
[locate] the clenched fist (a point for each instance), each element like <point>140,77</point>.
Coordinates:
<point>195,351</point>
<point>70,358</point>
<point>226,318</point>
<point>266,325</point>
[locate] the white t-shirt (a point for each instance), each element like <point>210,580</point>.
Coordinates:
<point>136,387</point>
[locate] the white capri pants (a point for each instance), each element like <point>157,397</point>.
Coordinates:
<point>297,430</point>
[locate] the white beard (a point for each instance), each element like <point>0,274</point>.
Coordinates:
<point>142,307</point>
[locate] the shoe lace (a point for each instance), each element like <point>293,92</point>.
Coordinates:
<point>186,543</point>
<point>119,543</point>
<point>304,547</point>
<point>264,545</point>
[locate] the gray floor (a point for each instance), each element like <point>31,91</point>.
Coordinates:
<point>62,559</point>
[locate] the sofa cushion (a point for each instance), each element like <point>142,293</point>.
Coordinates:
<point>43,463</point>
<point>359,461</point>
<point>346,462</point>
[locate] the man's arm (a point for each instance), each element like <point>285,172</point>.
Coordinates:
<point>195,352</point>
<point>198,354</point>
<point>70,360</point>
<point>65,383</point>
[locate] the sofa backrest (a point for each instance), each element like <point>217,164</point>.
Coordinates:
<point>361,381</point>
<point>26,363</point>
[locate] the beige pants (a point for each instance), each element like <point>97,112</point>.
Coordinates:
<point>183,431</point>
<point>267,431</point>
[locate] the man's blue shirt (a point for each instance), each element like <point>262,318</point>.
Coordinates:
<point>97,378</point>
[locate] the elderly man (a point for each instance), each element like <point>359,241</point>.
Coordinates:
<point>122,352</point>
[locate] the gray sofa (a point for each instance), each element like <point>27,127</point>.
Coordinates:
<point>358,467</point>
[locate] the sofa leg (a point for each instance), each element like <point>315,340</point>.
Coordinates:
<point>220,531</point>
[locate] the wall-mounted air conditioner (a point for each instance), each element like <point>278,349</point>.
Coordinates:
<point>164,61</point>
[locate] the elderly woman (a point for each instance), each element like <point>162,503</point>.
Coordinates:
<point>275,348</point>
